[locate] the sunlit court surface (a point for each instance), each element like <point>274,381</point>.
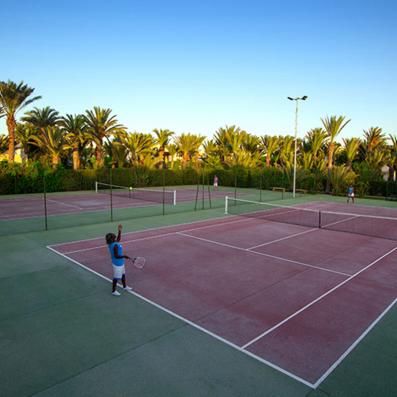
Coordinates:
<point>296,288</point>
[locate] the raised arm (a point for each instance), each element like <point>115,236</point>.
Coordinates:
<point>119,228</point>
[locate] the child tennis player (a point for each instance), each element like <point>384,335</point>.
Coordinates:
<point>116,253</point>
<point>350,194</point>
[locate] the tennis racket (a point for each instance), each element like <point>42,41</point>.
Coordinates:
<point>138,262</point>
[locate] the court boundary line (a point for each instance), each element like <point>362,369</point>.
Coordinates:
<point>242,349</point>
<point>185,320</point>
<point>270,330</point>
<point>282,238</point>
<point>87,210</point>
<point>263,254</point>
<point>184,233</point>
<point>65,204</point>
<point>148,237</point>
<point>354,344</point>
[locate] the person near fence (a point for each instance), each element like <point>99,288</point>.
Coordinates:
<point>216,181</point>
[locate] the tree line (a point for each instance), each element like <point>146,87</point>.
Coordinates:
<point>96,137</point>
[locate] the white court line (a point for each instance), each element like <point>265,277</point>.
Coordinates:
<point>102,209</point>
<point>282,238</point>
<point>353,345</point>
<point>150,237</point>
<point>65,204</point>
<point>262,254</point>
<point>267,332</point>
<point>239,220</point>
<point>343,220</point>
<point>149,229</point>
<point>185,320</point>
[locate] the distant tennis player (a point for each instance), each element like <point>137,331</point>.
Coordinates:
<point>116,253</point>
<point>216,180</point>
<point>350,194</point>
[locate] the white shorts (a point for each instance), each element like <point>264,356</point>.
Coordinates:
<point>215,184</point>
<point>351,195</point>
<point>118,272</point>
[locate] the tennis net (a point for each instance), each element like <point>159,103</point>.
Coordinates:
<point>151,195</point>
<point>369,225</point>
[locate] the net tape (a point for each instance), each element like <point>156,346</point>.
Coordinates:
<point>152,195</point>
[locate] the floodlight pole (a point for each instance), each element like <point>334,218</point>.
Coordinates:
<point>296,138</point>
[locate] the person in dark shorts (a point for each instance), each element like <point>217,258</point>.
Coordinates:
<point>116,254</point>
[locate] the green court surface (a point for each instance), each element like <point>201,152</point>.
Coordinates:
<point>63,334</point>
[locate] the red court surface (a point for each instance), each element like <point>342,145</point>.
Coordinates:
<point>295,298</point>
<point>27,206</point>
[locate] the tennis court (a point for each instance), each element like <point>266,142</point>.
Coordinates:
<point>30,206</point>
<point>296,288</point>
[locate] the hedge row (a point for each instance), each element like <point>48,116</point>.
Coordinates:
<point>30,180</point>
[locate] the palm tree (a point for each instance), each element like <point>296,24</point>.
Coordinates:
<point>393,151</point>
<point>270,145</point>
<point>75,130</point>
<point>42,118</point>
<point>117,152</point>
<point>315,142</point>
<point>23,134</point>
<point>52,142</point>
<point>287,151</point>
<point>14,97</point>
<point>223,138</point>
<point>351,147</point>
<point>374,141</point>
<point>250,142</point>
<point>101,125</point>
<point>172,151</point>
<point>138,145</point>
<point>162,140</point>
<point>333,126</point>
<point>3,143</point>
<point>188,146</point>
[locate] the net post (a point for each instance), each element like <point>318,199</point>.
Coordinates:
<point>96,186</point>
<point>209,192</point>
<point>197,194</point>
<point>260,187</point>
<point>163,177</point>
<point>235,184</point>
<point>202,192</point>
<point>226,205</point>
<point>45,204</point>
<point>319,219</point>
<point>174,198</point>
<point>111,194</point>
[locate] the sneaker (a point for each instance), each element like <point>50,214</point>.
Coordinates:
<point>127,288</point>
<point>116,293</point>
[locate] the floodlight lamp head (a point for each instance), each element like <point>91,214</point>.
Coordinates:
<point>304,98</point>
<point>291,99</point>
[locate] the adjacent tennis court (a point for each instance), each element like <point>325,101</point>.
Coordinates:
<point>296,287</point>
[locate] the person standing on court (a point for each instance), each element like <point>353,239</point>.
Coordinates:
<point>350,194</point>
<point>216,180</point>
<point>116,254</point>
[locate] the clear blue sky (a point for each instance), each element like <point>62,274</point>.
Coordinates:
<point>194,66</point>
